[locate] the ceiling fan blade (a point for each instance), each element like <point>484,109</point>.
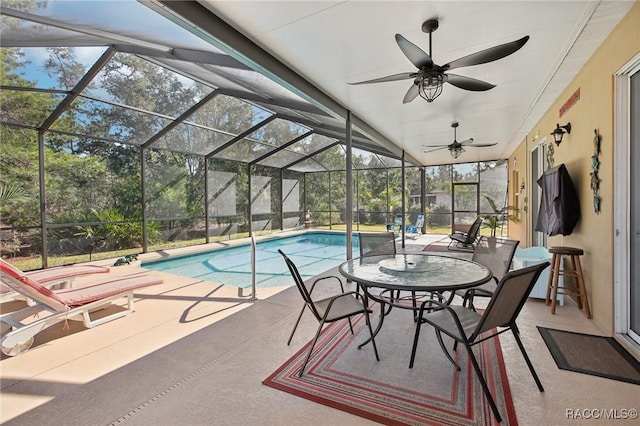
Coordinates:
<point>488,55</point>
<point>465,142</point>
<point>436,149</point>
<point>394,77</point>
<point>435,146</point>
<point>411,94</point>
<point>480,145</point>
<point>417,56</point>
<point>468,83</point>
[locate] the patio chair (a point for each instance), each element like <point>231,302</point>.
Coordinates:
<point>470,328</point>
<point>52,277</point>
<point>396,226</point>
<point>377,243</point>
<point>465,241</point>
<point>60,305</point>
<point>497,255</point>
<point>414,231</point>
<point>330,309</point>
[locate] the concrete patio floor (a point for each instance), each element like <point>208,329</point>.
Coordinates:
<point>134,370</point>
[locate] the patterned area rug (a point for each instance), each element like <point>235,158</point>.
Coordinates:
<point>432,392</point>
<point>596,355</point>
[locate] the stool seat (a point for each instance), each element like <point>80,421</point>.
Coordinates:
<point>567,251</point>
<point>578,291</point>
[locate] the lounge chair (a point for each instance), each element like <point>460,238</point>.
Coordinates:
<point>52,277</point>
<point>414,231</point>
<point>60,305</point>
<point>465,241</point>
<point>396,226</point>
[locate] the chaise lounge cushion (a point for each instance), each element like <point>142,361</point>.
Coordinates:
<point>34,289</point>
<point>62,300</point>
<point>79,296</point>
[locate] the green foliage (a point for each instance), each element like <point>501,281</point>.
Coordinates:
<point>99,230</point>
<point>439,215</point>
<point>499,215</point>
<point>12,193</point>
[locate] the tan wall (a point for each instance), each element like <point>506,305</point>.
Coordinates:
<point>594,110</point>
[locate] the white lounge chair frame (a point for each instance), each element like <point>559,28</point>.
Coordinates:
<point>61,305</point>
<point>52,278</point>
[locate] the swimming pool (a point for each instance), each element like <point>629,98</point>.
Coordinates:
<point>313,253</point>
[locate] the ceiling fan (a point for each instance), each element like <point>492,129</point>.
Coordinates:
<point>428,80</point>
<point>456,148</point>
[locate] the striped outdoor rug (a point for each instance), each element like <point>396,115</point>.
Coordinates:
<point>433,392</point>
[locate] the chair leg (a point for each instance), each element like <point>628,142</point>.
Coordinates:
<point>315,339</point>
<point>516,334</point>
<point>446,352</point>
<point>467,300</point>
<point>483,383</point>
<point>296,324</point>
<point>415,342</point>
<point>414,305</point>
<point>371,334</point>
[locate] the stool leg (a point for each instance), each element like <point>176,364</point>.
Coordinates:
<point>583,289</point>
<point>578,288</point>
<point>547,299</point>
<point>556,279</point>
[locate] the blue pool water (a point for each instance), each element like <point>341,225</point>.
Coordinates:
<point>313,253</point>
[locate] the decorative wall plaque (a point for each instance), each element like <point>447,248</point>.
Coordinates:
<point>595,165</point>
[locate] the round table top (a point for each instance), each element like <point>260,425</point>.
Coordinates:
<point>415,272</point>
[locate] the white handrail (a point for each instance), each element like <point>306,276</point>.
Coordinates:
<point>253,267</point>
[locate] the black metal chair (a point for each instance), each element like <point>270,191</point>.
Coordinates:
<point>469,327</point>
<point>383,243</point>
<point>466,240</point>
<point>330,309</point>
<point>497,255</point>
<point>377,243</point>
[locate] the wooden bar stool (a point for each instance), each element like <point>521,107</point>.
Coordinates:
<point>577,292</point>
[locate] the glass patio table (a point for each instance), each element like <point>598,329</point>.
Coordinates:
<point>417,273</point>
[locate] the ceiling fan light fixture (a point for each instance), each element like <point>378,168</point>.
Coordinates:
<point>456,151</point>
<point>430,86</point>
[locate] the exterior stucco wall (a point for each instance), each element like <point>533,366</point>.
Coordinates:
<point>595,110</point>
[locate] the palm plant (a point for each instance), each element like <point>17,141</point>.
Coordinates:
<point>13,193</point>
<point>499,215</point>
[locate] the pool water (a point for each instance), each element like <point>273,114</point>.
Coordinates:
<point>313,254</point>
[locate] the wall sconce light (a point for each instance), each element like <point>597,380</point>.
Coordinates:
<point>559,131</point>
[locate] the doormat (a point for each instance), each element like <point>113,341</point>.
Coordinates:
<point>589,354</point>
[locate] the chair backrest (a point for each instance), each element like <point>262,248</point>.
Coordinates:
<point>508,299</point>
<point>21,283</point>
<point>420,221</point>
<point>472,235</point>
<point>377,243</point>
<point>496,254</point>
<point>306,296</point>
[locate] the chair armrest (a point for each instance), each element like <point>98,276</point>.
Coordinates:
<point>339,296</point>
<point>443,306</point>
<point>327,278</point>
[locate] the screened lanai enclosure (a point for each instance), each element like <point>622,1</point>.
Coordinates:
<point>123,132</point>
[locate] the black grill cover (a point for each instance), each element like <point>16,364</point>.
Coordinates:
<point>559,207</point>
